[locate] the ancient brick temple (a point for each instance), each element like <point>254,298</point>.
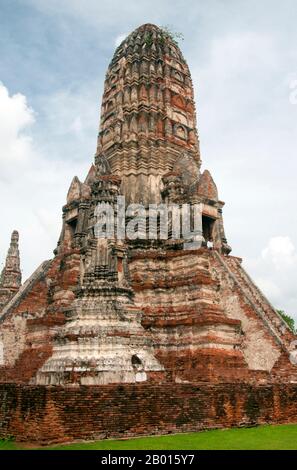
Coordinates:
<point>158,323</point>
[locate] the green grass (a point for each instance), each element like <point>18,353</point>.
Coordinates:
<point>282,437</point>
<point>8,445</point>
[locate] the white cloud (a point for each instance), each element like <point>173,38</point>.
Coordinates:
<point>16,117</point>
<point>281,252</point>
<point>69,125</point>
<point>275,272</point>
<point>231,81</point>
<point>34,180</point>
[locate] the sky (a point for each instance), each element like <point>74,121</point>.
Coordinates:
<point>243,60</point>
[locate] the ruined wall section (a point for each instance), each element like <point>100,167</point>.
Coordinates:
<point>56,414</point>
<point>29,322</point>
<point>264,335</point>
<point>14,316</point>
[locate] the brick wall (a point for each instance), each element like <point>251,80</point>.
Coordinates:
<point>44,414</point>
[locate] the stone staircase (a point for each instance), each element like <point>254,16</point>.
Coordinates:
<point>271,318</point>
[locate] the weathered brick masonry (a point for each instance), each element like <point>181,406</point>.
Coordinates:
<point>52,414</point>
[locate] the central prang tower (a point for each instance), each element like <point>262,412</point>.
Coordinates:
<point>148,133</point>
<point>148,151</point>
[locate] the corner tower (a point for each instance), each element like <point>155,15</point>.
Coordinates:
<point>11,277</point>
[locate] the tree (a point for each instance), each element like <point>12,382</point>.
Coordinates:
<point>289,320</point>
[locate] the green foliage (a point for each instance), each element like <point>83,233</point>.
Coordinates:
<point>8,444</point>
<point>148,39</point>
<point>168,33</point>
<point>289,320</point>
<point>279,437</point>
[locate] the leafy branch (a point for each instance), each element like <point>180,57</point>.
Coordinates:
<point>289,320</point>
<point>168,33</point>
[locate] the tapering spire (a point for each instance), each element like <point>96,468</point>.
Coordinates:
<point>11,277</point>
<point>148,113</point>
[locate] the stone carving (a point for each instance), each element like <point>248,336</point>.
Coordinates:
<point>186,166</point>
<point>11,277</point>
<point>103,166</point>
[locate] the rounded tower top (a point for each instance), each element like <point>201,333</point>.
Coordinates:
<point>150,38</point>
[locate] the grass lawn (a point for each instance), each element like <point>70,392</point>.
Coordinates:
<point>282,437</point>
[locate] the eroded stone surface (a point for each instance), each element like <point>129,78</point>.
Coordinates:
<point>112,311</point>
